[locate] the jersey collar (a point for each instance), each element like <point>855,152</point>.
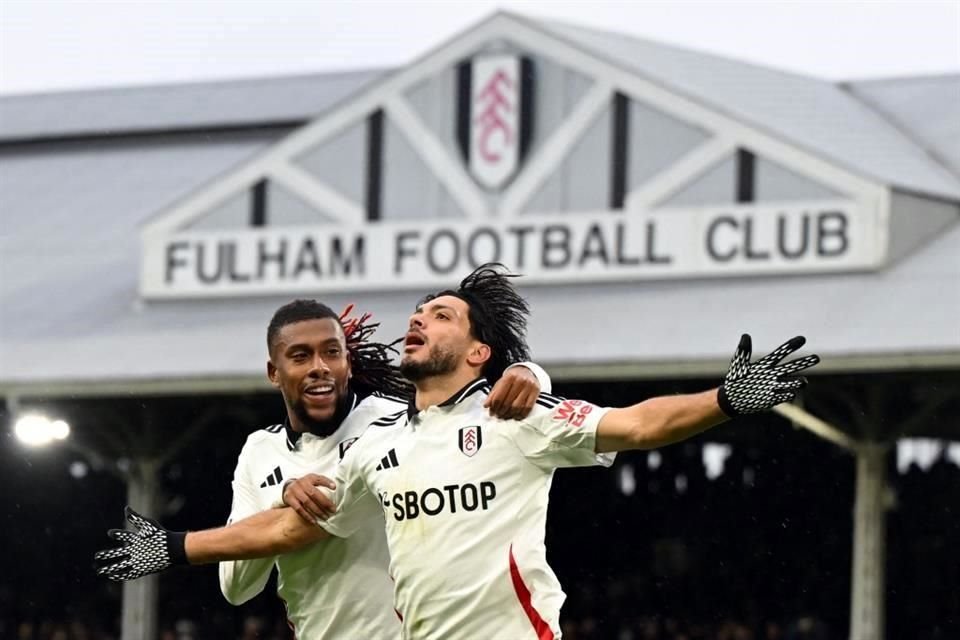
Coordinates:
<point>464,393</point>
<point>293,437</point>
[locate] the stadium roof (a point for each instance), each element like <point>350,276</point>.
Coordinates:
<point>80,173</point>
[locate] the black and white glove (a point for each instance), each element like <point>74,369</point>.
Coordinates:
<point>148,549</point>
<point>761,385</point>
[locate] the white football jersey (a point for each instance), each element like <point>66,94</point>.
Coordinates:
<point>337,588</point>
<point>464,497</point>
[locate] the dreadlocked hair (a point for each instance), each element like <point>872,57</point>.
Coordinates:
<point>372,362</point>
<point>497,313</point>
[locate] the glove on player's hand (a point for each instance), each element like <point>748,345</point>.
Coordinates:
<point>761,385</point>
<point>148,549</point>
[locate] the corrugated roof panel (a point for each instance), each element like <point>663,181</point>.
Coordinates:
<point>926,108</point>
<point>810,113</point>
<point>109,112</point>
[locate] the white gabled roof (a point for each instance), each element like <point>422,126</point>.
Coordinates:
<point>813,114</point>
<point>69,248</point>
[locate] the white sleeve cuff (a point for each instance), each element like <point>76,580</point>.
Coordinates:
<point>546,384</point>
<point>277,502</point>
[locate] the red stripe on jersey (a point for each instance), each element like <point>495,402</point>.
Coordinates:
<point>523,595</point>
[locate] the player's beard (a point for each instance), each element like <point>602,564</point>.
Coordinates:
<point>323,428</point>
<point>440,362</point>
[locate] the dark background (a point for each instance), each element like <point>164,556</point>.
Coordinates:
<point>763,551</point>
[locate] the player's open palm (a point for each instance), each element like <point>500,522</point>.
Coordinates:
<point>752,387</point>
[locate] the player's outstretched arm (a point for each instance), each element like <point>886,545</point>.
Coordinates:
<point>749,387</point>
<point>151,548</point>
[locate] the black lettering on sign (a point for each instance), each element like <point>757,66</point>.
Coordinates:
<point>799,248</point>
<point>712,244</point>
<point>594,246</point>
<point>521,233</point>
<point>277,257</point>
<point>832,237</point>
<point>174,261</point>
<point>750,252</point>
<point>209,271</point>
<point>230,257</point>
<point>556,247</point>
<point>307,259</point>
<point>453,243</point>
<point>402,250</point>
<point>652,256</point>
<point>341,263</point>
<point>621,250</point>
<point>492,241</point>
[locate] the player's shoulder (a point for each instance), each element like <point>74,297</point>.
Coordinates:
<point>271,433</point>
<point>381,404</point>
<point>549,400</point>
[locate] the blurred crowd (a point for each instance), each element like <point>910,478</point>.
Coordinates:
<point>760,551</point>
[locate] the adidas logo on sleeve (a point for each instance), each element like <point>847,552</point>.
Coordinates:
<point>388,461</point>
<point>273,479</point>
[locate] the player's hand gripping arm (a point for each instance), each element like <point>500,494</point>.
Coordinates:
<point>747,388</point>
<point>150,548</point>
<point>241,580</point>
<point>515,393</point>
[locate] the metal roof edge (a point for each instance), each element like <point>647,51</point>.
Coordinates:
<point>560,372</point>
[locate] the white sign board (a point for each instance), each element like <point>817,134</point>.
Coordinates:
<point>602,246</point>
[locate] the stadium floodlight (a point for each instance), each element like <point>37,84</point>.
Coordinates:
<point>37,430</point>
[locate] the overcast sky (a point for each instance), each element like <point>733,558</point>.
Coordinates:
<point>48,45</point>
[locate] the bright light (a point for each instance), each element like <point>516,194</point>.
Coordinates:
<point>59,430</point>
<point>714,456</point>
<point>37,430</point>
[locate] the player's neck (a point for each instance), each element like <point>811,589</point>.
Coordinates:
<point>434,390</point>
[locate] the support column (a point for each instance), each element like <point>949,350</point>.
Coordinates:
<point>869,545</point>
<point>140,597</point>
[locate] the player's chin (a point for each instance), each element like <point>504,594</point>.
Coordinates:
<point>321,409</point>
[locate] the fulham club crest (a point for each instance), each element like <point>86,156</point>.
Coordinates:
<point>494,116</point>
<point>346,444</point>
<point>470,440</point>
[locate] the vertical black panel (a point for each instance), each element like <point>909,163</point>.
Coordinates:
<point>527,93</point>
<point>746,166</point>
<point>258,204</point>
<point>619,141</point>
<point>374,164</point>
<point>464,82</point>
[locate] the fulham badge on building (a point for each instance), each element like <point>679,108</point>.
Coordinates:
<point>494,120</point>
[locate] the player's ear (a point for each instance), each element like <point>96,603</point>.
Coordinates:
<point>272,374</point>
<point>479,354</point>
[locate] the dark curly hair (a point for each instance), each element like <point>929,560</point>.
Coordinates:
<point>497,313</point>
<point>371,362</point>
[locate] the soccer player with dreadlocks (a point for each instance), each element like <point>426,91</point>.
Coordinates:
<point>334,381</point>
<point>465,495</point>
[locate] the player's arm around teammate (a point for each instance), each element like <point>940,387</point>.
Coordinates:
<point>151,548</point>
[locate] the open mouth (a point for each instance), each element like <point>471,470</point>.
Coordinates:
<point>413,340</point>
<point>319,391</point>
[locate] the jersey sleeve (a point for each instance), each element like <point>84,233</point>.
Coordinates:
<point>546,384</point>
<point>356,505</point>
<point>241,580</point>
<point>562,433</point>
